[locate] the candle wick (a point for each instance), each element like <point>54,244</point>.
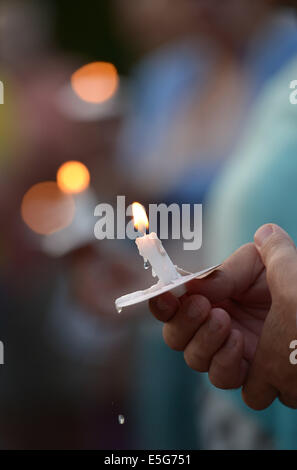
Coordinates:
<point>142,231</point>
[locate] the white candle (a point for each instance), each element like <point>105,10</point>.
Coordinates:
<point>151,248</point>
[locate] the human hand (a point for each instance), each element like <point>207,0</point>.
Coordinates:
<point>253,299</point>
<point>97,277</point>
<point>271,373</point>
<point>219,321</point>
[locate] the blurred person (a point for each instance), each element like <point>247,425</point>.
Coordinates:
<point>67,372</point>
<point>190,90</point>
<point>194,93</point>
<point>258,186</point>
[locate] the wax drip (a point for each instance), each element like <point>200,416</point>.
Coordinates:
<point>146,264</point>
<point>121,419</point>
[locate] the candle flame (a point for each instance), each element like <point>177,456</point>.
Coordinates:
<point>141,222</point>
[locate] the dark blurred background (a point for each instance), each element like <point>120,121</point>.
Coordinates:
<point>183,101</point>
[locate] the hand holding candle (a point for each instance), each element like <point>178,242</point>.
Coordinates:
<point>171,278</point>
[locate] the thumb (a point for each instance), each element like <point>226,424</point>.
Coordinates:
<point>279,255</point>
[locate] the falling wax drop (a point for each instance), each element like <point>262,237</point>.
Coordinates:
<point>119,309</point>
<point>121,419</point>
<point>146,264</point>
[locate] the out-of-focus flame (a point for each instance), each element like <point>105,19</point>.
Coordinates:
<point>95,82</point>
<point>141,222</point>
<point>46,209</point>
<point>73,177</point>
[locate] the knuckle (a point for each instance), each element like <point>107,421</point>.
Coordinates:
<point>273,268</point>
<point>284,301</point>
<point>171,337</point>
<point>222,320</point>
<point>195,361</point>
<point>224,362</point>
<point>281,266</point>
<point>200,304</point>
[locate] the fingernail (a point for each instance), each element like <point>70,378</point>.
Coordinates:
<point>162,304</point>
<point>263,234</point>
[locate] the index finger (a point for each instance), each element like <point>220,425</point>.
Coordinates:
<point>164,306</point>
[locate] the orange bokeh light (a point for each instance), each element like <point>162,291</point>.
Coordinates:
<point>141,222</point>
<point>46,209</point>
<point>95,82</point>
<point>73,177</point>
